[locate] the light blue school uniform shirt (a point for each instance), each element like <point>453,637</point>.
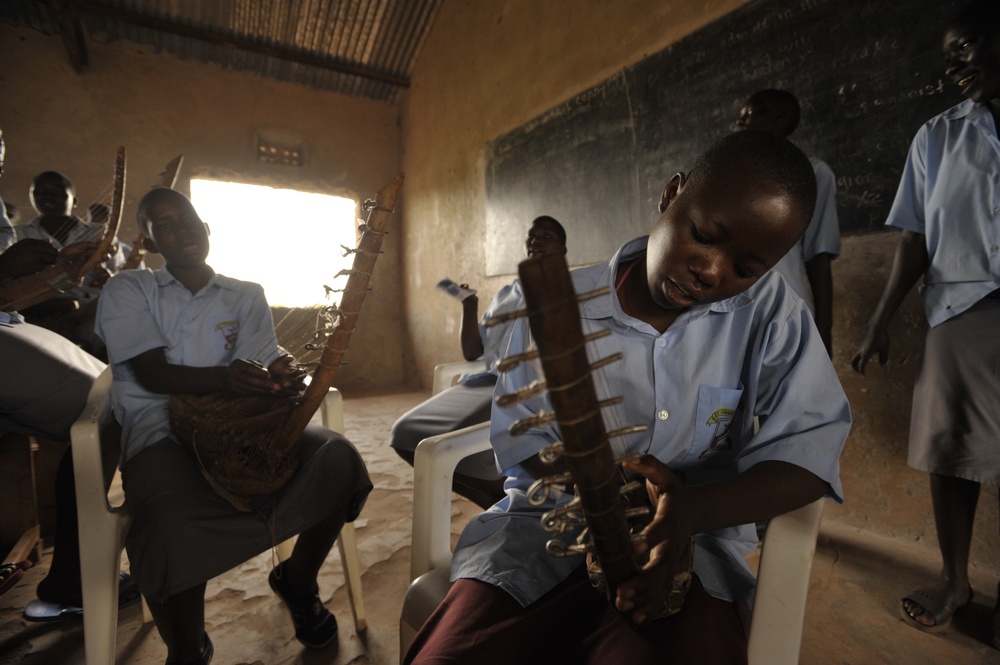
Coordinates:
<point>950,192</point>
<point>81,232</point>
<point>698,387</point>
<point>140,310</point>
<point>494,337</point>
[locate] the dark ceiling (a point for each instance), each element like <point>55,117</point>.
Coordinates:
<point>362,48</point>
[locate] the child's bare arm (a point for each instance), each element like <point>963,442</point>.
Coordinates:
<point>764,491</point>
<point>908,264</point>
<point>157,375</point>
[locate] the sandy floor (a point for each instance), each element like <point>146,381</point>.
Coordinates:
<point>851,618</point>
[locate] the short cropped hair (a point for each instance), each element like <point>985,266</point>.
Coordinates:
<point>54,175</point>
<point>788,102</point>
<point>556,226</point>
<point>761,152</point>
<point>983,15</point>
<point>151,198</point>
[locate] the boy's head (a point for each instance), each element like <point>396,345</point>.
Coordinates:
<point>771,110</point>
<point>546,236</point>
<point>971,48</point>
<point>52,194</point>
<point>98,213</point>
<point>172,228</point>
<point>747,200</point>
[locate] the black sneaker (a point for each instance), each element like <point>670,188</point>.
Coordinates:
<point>315,626</point>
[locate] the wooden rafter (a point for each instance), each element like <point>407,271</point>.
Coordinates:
<point>71,30</point>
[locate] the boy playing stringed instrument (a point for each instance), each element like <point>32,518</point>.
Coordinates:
<point>70,314</point>
<point>184,329</point>
<point>745,420</point>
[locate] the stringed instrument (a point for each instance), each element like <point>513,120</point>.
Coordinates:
<point>246,446</point>
<point>72,266</point>
<point>608,505</point>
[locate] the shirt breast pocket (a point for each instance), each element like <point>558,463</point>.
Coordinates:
<point>715,422</point>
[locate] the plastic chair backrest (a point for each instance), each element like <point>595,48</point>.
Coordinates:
<point>104,525</point>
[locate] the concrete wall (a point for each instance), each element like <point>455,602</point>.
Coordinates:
<point>489,67</point>
<point>158,107</point>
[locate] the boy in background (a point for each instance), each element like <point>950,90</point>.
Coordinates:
<point>806,266</point>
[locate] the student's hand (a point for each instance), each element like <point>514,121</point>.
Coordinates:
<point>875,341</point>
<point>290,377</point>
<point>251,378</point>
<point>666,539</point>
<point>98,277</point>
<point>74,251</point>
<point>26,257</point>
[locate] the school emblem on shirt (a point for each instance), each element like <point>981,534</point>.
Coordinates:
<point>722,419</point>
<point>229,330</point>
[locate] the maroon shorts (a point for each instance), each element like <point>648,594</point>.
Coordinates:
<point>573,625</point>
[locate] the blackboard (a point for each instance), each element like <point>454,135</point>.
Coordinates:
<point>867,75</point>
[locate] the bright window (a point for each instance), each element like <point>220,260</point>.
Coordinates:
<point>287,241</point>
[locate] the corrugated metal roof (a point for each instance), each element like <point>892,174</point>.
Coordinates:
<point>362,48</point>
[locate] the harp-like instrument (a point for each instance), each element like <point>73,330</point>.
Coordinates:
<point>72,267</point>
<point>608,506</point>
<point>246,446</point>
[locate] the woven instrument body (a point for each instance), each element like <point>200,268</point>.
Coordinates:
<point>233,439</point>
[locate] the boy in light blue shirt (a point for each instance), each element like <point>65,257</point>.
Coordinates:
<point>713,345</point>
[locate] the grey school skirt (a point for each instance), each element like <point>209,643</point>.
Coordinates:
<point>183,533</point>
<point>955,423</point>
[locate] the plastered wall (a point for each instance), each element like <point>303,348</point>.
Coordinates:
<point>489,67</point>
<point>158,107</point>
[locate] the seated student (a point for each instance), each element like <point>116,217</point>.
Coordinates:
<point>705,330</point>
<point>43,387</point>
<point>806,266</point>
<point>185,329</point>
<point>469,402</point>
<point>72,313</point>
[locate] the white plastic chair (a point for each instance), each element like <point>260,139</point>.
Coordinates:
<point>105,527</point>
<point>446,374</point>
<point>783,573</point>
<point>102,529</point>
<point>332,415</point>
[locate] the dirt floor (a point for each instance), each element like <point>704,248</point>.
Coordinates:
<point>851,619</point>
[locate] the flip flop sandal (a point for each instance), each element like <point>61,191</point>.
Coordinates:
<point>935,603</point>
<point>40,610</point>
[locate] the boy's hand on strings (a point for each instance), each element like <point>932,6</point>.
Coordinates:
<point>98,277</point>
<point>251,377</point>
<point>666,539</point>
<point>285,373</point>
<point>27,257</point>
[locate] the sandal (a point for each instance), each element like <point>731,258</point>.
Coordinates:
<point>935,603</point>
<point>40,610</point>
